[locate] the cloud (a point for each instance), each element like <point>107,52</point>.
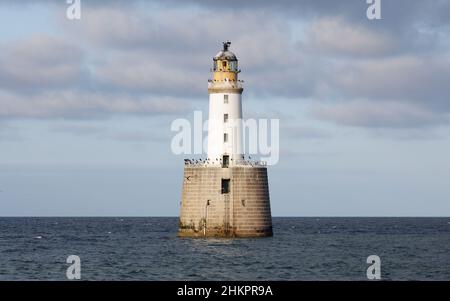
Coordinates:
<point>78,129</point>
<point>385,114</point>
<point>407,78</point>
<point>39,62</point>
<point>171,52</point>
<point>333,35</point>
<point>396,14</point>
<point>129,60</point>
<point>9,132</point>
<point>73,104</point>
<point>102,132</point>
<point>298,154</point>
<point>145,74</point>
<point>406,133</point>
<point>306,132</point>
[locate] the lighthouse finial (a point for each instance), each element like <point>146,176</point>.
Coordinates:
<point>226,45</point>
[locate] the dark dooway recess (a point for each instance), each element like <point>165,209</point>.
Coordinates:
<point>225,185</point>
<point>225,161</point>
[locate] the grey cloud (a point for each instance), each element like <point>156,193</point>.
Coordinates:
<point>9,132</point>
<point>143,73</point>
<point>188,40</point>
<point>408,78</point>
<point>137,136</point>
<point>172,53</point>
<point>372,114</point>
<point>78,129</point>
<point>400,62</point>
<point>396,12</point>
<point>417,26</point>
<point>334,36</point>
<point>406,133</point>
<point>70,104</point>
<point>397,15</point>
<point>289,153</point>
<point>169,55</point>
<point>102,132</point>
<point>305,132</point>
<point>39,61</point>
<point>272,113</point>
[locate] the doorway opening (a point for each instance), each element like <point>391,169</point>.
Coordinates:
<point>225,161</point>
<point>225,186</point>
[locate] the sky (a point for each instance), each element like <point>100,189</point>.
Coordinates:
<point>86,105</point>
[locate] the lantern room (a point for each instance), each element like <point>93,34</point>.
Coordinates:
<point>225,65</point>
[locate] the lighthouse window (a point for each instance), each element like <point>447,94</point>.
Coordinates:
<point>225,98</point>
<point>225,137</point>
<point>224,64</point>
<point>225,118</point>
<point>233,66</point>
<point>225,161</point>
<point>225,185</point>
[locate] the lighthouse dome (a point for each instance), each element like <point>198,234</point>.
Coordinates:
<point>225,54</point>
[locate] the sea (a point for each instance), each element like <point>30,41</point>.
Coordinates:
<point>147,248</point>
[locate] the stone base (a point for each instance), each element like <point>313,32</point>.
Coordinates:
<point>242,212</point>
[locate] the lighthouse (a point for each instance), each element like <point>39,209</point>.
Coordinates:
<point>225,108</point>
<point>225,195</point>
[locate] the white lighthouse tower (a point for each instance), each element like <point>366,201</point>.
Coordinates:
<point>225,195</point>
<point>225,109</point>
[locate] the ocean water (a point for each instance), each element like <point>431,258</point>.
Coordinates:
<point>147,248</point>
